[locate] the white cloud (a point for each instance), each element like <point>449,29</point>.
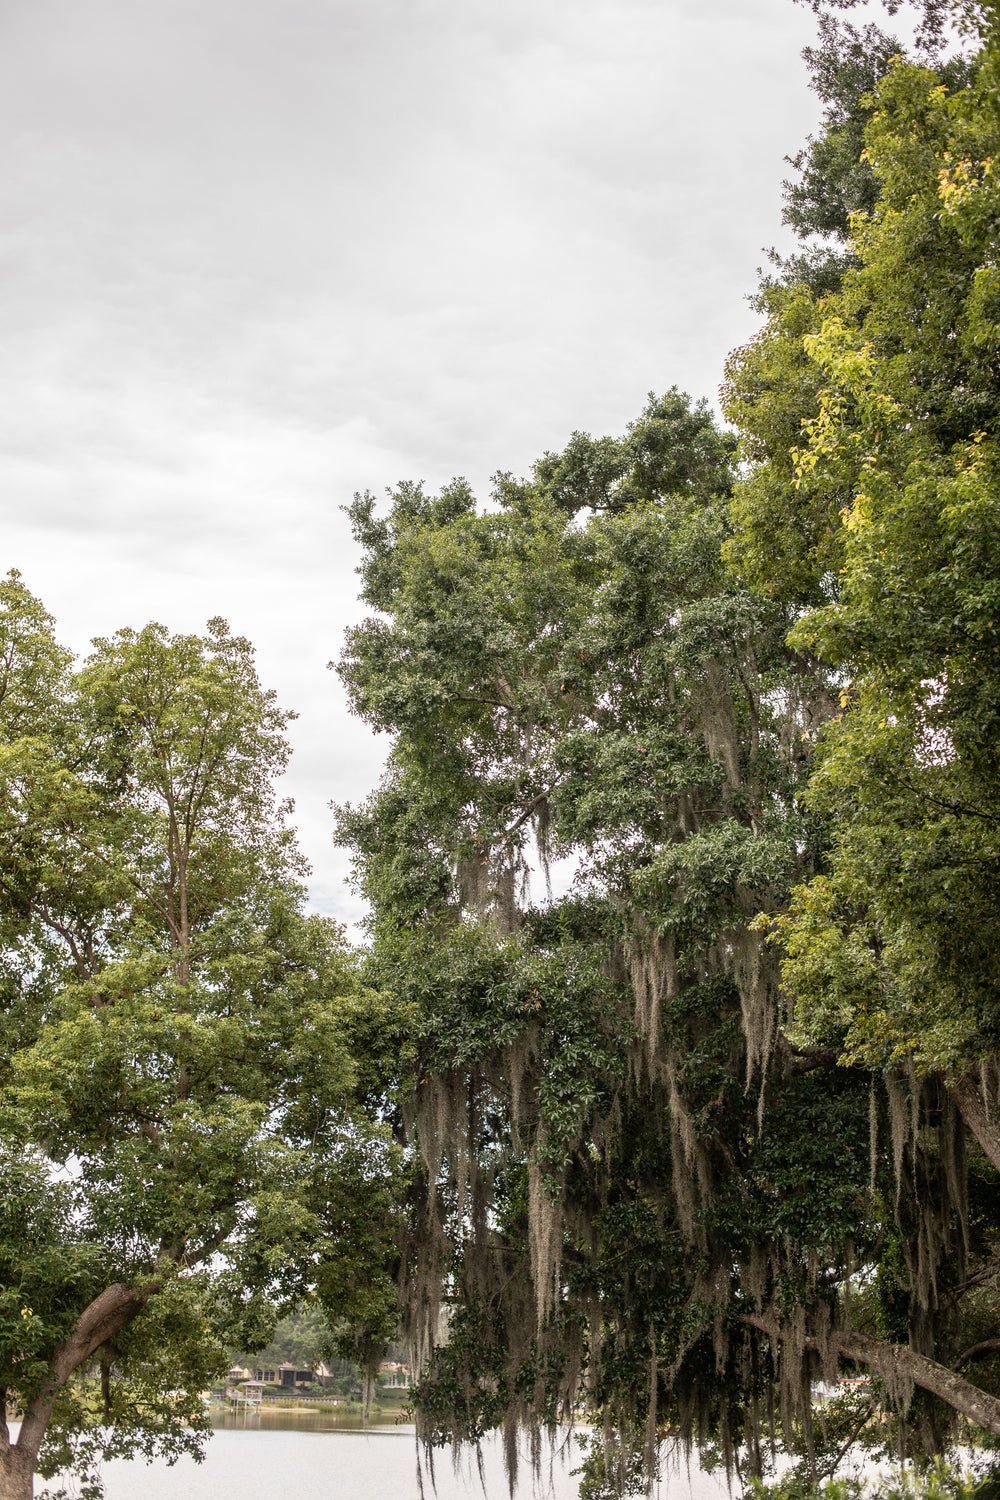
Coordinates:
<point>259,256</point>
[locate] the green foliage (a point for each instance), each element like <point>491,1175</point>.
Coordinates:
<point>935,1481</point>
<point>46,1272</point>
<point>886,504</point>
<point>893,950</point>
<point>607,1473</point>
<point>835,180</point>
<point>644,1184</point>
<point>182,1117</point>
<point>672,449</point>
<point>301,1339</point>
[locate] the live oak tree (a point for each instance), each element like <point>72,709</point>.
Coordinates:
<point>573,679</point>
<point>186,1145</point>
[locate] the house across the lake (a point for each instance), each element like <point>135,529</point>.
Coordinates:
<point>287,1375</point>
<point>392,1376</point>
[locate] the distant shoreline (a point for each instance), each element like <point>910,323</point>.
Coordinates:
<point>311,1404</point>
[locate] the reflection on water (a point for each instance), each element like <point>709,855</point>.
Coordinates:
<point>281,1419</point>
<point>288,1455</point>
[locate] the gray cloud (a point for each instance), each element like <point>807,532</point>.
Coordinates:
<point>259,256</point>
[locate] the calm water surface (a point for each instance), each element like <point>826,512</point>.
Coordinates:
<point>297,1456</point>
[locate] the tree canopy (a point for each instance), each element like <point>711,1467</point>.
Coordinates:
<point>182,1103</point>
<point>574,676</point>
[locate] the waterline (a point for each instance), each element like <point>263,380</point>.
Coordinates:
<point>296,1455</point>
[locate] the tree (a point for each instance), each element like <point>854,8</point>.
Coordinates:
<point>911,763</point>
<point>932,16</point>
<point>300,1339</point>
<point>787,514</point>
<point>177,1075</point>
<point>573,676</point>
<point>903,366</point>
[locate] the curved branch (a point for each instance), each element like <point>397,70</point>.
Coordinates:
<point>988,1346</point>
<point>115,1308</point>
<point>968,1096</point>
<point>896,1359</point>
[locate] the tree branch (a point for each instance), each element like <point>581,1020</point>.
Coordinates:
<point>968,1096</point>
<point>988,1346</point>
<point>806,1059</point>
<point>950,1387</point>
<point>535,802</point>
<point>150,1131</point>
<point>107,1315</point>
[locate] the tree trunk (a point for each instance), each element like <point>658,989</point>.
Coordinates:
<point>108,1314</point>
<point>17,1472</point>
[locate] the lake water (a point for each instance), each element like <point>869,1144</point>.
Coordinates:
<point>305,1456</point>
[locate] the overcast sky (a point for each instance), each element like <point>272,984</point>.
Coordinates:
<point>259,254</point>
